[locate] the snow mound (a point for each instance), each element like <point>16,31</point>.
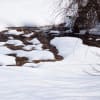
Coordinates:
<point>74,51</point>
<point>7,60</point>
<point>66,45</point>
<point>35,54</point>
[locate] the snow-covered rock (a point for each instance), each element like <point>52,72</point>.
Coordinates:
<point>35,54</point>
<point>15,42</point>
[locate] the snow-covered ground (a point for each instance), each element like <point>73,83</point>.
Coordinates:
<point>48,83</point>
<point>74,78</point>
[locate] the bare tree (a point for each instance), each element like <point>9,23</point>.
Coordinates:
<point>88,13</point>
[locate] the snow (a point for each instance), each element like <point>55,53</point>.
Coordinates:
<point>28,13</point>
<point>35,41</point>
<point>5,50</point>
<point>74,78</point>
<point>35,54</point>
<point>74,51</point>
<point>14,32</point>
<point>97,39</point>
<point>11,38</point>
<point>31,65</point>
<point>28,35</point>
<point>65,45</point>
<point>15,42</point>
<point>47,83</point>
<point>29,47</point>
<point>56,32</point>
<point>36,44</point>
<point>2,43</point>
<point>6,60</point>
<point>38,47</point>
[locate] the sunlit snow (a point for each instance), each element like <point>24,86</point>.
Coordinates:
<point>76,77</point>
